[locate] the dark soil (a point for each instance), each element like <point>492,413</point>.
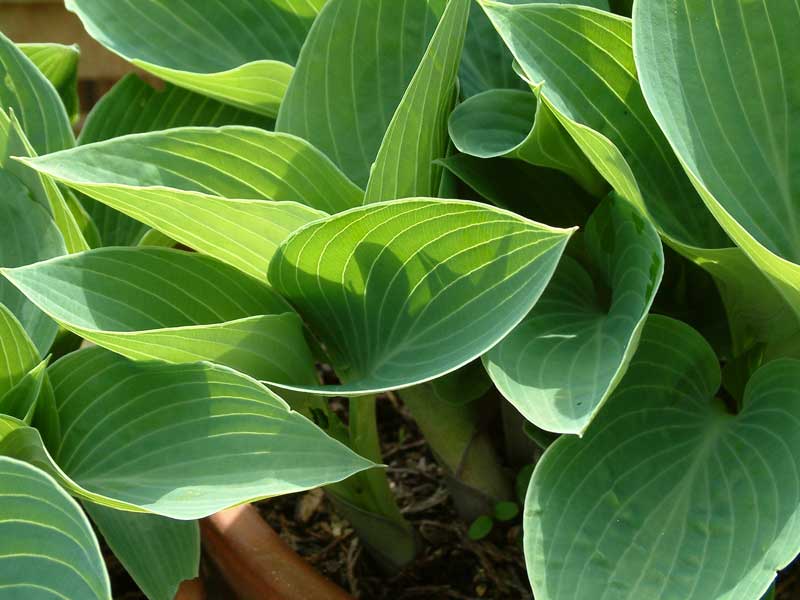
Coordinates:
<point>451,566</point>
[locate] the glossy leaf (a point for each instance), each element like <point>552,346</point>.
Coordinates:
<point>47,547</point>
<point>28,235</point>
<point>514,124</point>
<point>59,64</point>
<point>354,68</point>
<point>231,162</point>
<point>134,106</point>
<point>205,187</point>
<point>485,62</point>
<point>417,134</point>
<point>22,383</point>
<point>20,401</point>
<point>171,305</point>
<point>181,441</point>
<point>389,287</point>
<point>17,353</point>
<point>563,361</point>
<point>582,62</point>
<point>156,551</point>
<point>28,94</point>
<point>668,495</point>
<point>240,52</point>
<point>721,84</point>
<point>13,145</point>
<point>542,194</point>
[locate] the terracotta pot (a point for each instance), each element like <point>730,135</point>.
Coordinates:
<point>191,589</point>
<point>257,563</point>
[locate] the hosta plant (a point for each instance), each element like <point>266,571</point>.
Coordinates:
<point>582,217</point>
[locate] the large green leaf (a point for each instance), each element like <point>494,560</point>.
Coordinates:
<point>232,162</point>
<point>27,93</point>
<point>668,495</point>
<point>405,166</point>
<point>134,106</point>
<point>485,61</point>
<point>353,71</point>
<point>581,61</point>
<point>33,120</point>
<point>181,441</point>
<point>514,124</point>
<point>402,292</point>
<point>721,82</point>
<point>542,194</point>
<point>47,547</point>
<point>28,235</point>
<point>158,552</point>
<point>239,51</point>
<point>171,305</point>
<point>563,361</point>
<point>189,184</point>
<point>59,64</point>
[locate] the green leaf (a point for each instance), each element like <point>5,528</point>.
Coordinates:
<point>134,106</point>
<point>480,528</point>
<point>156,238</point>
<point>28,235</point>
<point>59,64</point>
<point>18,362</point>
<point>84,221</point>
<point>403,292</point>
<point>240,52</point>
<point>581,60</point>
<point>514,124</point>
<point>181,441</point>
<point>158,552</point>
<point>485,61</point>
<point>353,71</point>
<point>27,93</point>
<point>522,480</point>
<point>668,495</point>
<point>18,355</point>
<point>231,192</point>
<point>171,305</point>
<point>770,593</point>
<point>232,162</point>
<point>243,233</point>
<point>405,166</point>
<point>20,401</point>
<point>462,386</point>
<point>721,84</point>
<point>47,546</point>
<point>505,511</point>
<point>43,189</point>
<point>563,361</point>
<point>524,189</point>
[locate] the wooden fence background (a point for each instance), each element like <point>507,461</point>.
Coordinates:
<point>49,21</point>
